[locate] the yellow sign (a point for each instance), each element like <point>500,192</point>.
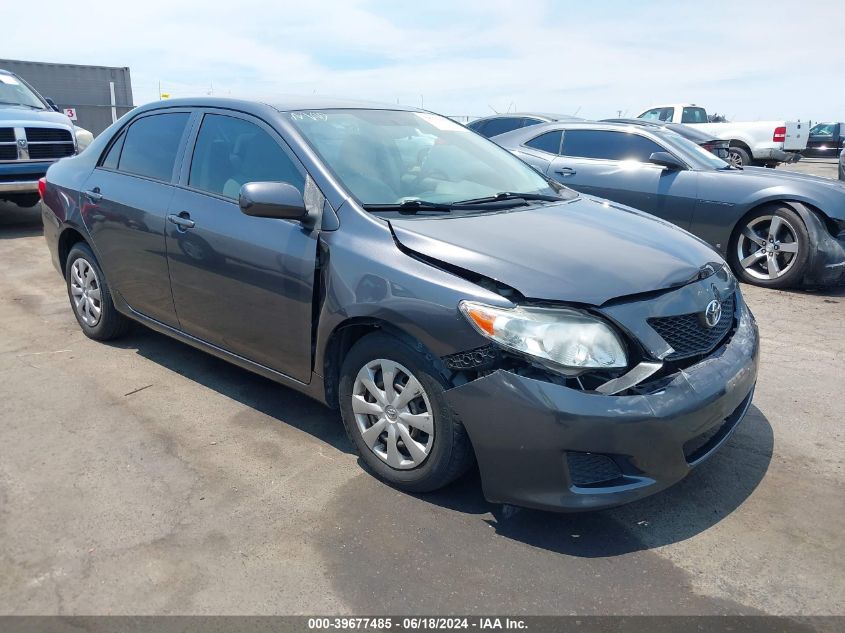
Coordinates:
<point>165,95</point>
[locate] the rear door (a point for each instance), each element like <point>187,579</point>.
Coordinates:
<point>124,206</point>
<point>242,283</point>
<point>614,165</point>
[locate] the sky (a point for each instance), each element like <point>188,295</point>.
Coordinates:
<point>747,59</point>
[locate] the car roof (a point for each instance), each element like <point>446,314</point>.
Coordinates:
<point>524,134</point>
<point>687,131</point>
<point>279,103</point>
<point>549,116</point>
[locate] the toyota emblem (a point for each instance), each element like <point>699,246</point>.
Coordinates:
<point>713,313</point>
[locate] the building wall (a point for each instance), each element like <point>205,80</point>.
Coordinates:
<point>85,88</point>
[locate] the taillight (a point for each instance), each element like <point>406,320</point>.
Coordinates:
<point>780,134</point>
<point>42,186</point>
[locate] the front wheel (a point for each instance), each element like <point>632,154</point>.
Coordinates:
<point>392,399</point>
<point>771,248</point>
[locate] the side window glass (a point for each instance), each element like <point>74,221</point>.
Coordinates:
<point>495,127</point>
<point>822,129</point>
<point>548,142</point>
<point>151,144</point>
<point>652,115</point>
<point>693,115</point>
<point>113,156</point>
<point>231,152</point>
<point>608,145</point>
<point>666,114</point>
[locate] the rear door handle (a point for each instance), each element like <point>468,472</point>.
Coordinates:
<point>94,194</point>
<point>183,220</point>
<point>566,171</point>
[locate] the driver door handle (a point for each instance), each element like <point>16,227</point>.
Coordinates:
<point>566,171</point>
<point>183,220</point>
<point>94,194</point>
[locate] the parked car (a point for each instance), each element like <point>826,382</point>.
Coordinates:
<point>776,228</point>
<point>715,146</point>
<point>501,123</point>
<point>752,143</point>
<point>842,165</point>
<point>466,308</point>
<point>32,137</point>
<point>827,140</point>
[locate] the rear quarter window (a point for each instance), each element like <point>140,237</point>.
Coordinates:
<point>548,142</point>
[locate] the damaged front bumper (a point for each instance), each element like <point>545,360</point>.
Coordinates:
<point>826,264</point>
<point>547,446</point>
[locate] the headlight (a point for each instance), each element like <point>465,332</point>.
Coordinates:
<point>567,338</point>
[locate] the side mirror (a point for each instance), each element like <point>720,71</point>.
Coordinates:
<point>665,159</point>
<point>272,200</point>
<point>52,104</point>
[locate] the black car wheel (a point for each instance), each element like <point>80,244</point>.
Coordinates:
<point>395,412</point>
<point>90,297</point>
<point>738,157</point>
<point>771,248</point>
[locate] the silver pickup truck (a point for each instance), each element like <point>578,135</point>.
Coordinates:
<point>751,142</point>
<point>32,137</point>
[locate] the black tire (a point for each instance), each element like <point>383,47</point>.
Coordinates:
<point>25,200</point>
<point>110,324</point>
<point>451,453</point>
<point>795,274</point>
<point>739,157</point>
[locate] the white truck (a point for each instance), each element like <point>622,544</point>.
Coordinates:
<point>751,143</point>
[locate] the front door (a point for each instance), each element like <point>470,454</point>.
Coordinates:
<point>242,283</point>
<point>614,165</point>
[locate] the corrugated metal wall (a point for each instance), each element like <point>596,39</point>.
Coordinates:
<point>86,88</point>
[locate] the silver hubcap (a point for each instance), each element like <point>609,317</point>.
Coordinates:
<point>85,292</point>
<point>767,247</point>
<point>735,159</point>
<point>393,414</point>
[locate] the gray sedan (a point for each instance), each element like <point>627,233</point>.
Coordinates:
<point>777,229</point>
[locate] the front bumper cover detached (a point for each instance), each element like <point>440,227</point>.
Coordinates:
<point>534,439</point>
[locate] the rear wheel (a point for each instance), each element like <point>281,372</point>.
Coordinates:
<point>392,399</point>
<point>738,157</point>
<point>771,248</point>
<point>90,296</point>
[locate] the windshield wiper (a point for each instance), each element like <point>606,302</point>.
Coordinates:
<point>25,105</point>
<point>507,195</point>
<point>411,206</point>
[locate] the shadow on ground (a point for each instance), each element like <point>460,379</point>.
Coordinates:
<point>711,492</point>
<point>259,393</point>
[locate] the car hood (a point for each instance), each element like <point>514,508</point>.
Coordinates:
<point>13,115</point>
<point>782,176</point>
<point>584,250</point>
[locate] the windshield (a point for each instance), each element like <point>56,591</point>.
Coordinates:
<point>14,92</point>
<point>387,157</point>
<point>694,154</point>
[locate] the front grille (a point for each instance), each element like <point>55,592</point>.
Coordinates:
<point>689,335</point>
<point>590,469</point>
<point>7,135</point>
<point>48,134</point>
<point>50,150</point>
<point>8,152</point>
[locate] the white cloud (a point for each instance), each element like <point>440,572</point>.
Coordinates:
<point>746,59</point>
